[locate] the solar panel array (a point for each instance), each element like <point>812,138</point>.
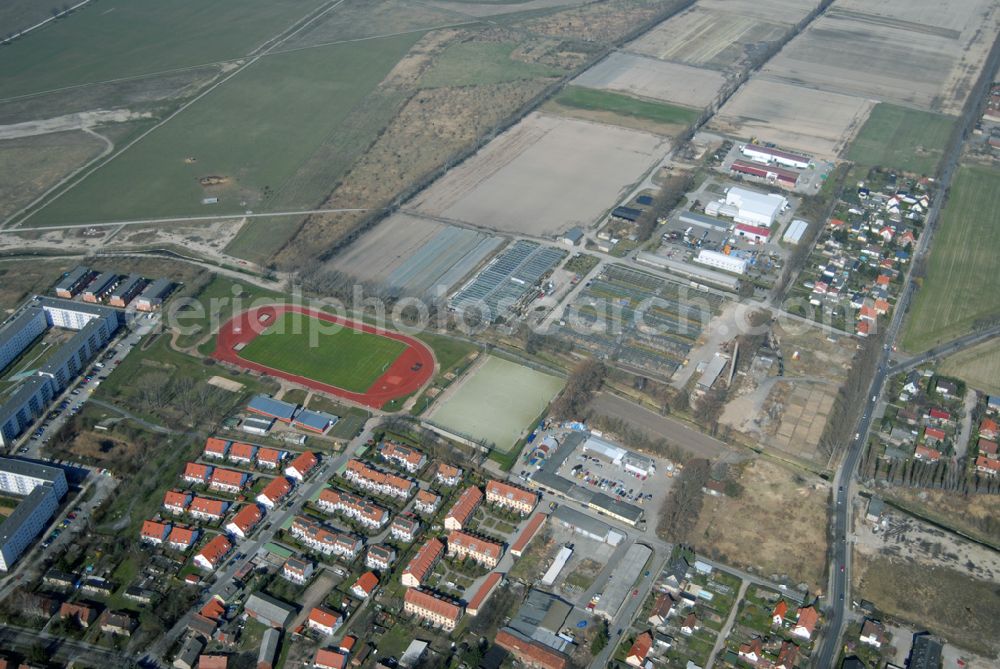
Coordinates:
<point>506,280</point>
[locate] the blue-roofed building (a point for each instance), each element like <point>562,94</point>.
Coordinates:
<point>272,408</point>
<point>993,402</point>
<point>644,200</point>
<point>315,421</point>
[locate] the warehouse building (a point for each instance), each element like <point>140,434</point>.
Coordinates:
<point>727,263</point>
<point>624,512</point>
<point>703,221</point>
<point>272,408</point>
<point>754,208</point>
<point>768,154</point>
<point>43,486</point>
<point>753,233</point>
<point>797,228</point>
<point>586,526</point>
<point>769,173</point>
<point>622,578</point>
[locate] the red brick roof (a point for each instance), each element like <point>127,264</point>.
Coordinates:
<point>271,455</point>
<point>183,536</point>
<point>394,451</point>
<point>247,517</point>
<point>484,591</point>
<point>213,662</point>
<point>510,492</point>
<point>924,453</point>
<point>780,610</point>
<point>154,530</point>
<point>333,659</point>
<point>175,498</point>
<point>215,507</point>
<point>987,447</point>
<point>304,463</point>
<point>428,602</point>
<point>934,433</point>
<point>528,533</point>
<point>377,476</point>
<point>215,549</point>
<point>807,619</point>
<point>323,616</point>
<point>193,470</point>
<point>215,446</point>
<point>427,498</point>
<point>228,477</point>
<point>466,505</point>
<point>530,652</point>
<point>277,489</point>
<point>987,464</point>
<point>213,609</point>
<point>475,544</point>
<point>241,451</point>
<point>368,581</point>
<point>939,414</point>
<point>421,564</point>
<point>446,471</point>
<point>641,646</point>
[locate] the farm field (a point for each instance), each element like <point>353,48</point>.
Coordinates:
<point>415,254</point>
<point>816,122</point>
<point>653,79</point>
<point>707,38</point>
<point>367,18</point>
<point>961,284</point>
<point>783,11</point>
<point>98,43</point>
<point>907,62</point>
<point>757,530</point>
<point>304,346</point>
<point>259,238</point>
<point>31,165</point>
<point>481,63</point>
<point>496,402</point>
<point>298,150</point>
<point>566,172</point>
<point>20,14</point>
<point>978,366</point>
<point>660,116</point>
<point>902,138</point>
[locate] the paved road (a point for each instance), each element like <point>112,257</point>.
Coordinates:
<point>273,522</point>
<point>839,593</point>
<point>59,649</point>
<point>946,349</point>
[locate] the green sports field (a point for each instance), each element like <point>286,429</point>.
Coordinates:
<point>962,283</point>
<point>497,402</point>
<point>347,358</point>
<point>900,138</point>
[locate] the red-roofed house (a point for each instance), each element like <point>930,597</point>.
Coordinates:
<point>213,552</point>
<point>228,480</point>
<point>329,659</point>
<point>939,415</point>
<point>213,662</point>
<point>154,532</point>
<point>754,233</point>
<point>384,483</point>
<point>435,610</point>
<point>297,571</point>
<point>195,473</point>
<point>461,512</point>
<point>176,502</point>
<point>530,652</point>
<point>640,649</point>
<point>269,458</point>
<point>363,510</point>
<point>448,475</point>
<point>663,606</point>
<point>467,546</point>
<point>206,508</point>
<point>81,613</point>
<point>778,615</point>
<point>408,458</point>
<point>241,453</point>
<point>787,656</point>
<point>989,429</point>
<point>426,502</point>
<point>926,454</point>
<point>510,497</point>
<point>182,538</point>
<point>423,563</point>
<point>872,633</point>
<point>213,610</point>
<point>483,593</point>
<point>987,448</point>
<point>274,492</point>
<point>933,434</point>
<point>365,585</point>
<point>215,448</point>
<point>324,620</point>
<point>244,521</point>
<point>527,534</point>
<point>987,466</point>
<point>805,623</point>
<point>347,643</point>
<point>301,466</point>
<point>752,651</point>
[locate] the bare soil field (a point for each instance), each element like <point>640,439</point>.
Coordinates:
<point>944,601</point>
<point>493,8</point>
<point>757,531</point>
<point>707,38</point>
<point>20,277</point>
<point>905,61</point>
<point>974,515</point>
<point>820,123</point>
<point>544,175</point>
<point>652,78</point>
<point>783,11</point>
<point>31,165</point>
<point>598,21</point>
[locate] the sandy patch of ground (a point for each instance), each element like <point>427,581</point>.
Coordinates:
<point>759,531</point>
<point>77,121</point>
<point>817,122</point>
<point>225,384</point>
<point>544,175</point>
<point>707,38</point>
<point>652,78</point>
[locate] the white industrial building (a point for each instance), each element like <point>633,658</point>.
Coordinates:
<point>43,486</point>
<point>586,526</point>
<point>754,208</point>
<point>552,573</point>
<point>721,261</point>
<point>767,154</point>
<point>797,228</point>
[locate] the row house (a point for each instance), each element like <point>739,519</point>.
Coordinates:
<point>228,480</point>
<point>327,542</point>
<point>384,483</point>
<point>244,521</point>
<point>426,502</point>
<point>212,554</point>
<point>422,564</point>
<point>466,546</point>
<point>431,608</point>
<point>215,449</point>
<point>297,570</point>
<point>503,494</point>
<point>176,501</point>
<point>404,528</point>
<point>274,492</point>
<point>196,474</point>
<point>241,453</point>
<point>365,511</point>
<point>269,458</point>
<point>448,475</point>
<point>301,466</point>
<point>153,532</point>
<point>406,457</point>
<point>380,557</point>
<point>206,508</point>
<point>461,512</point>
<point>182,538</point>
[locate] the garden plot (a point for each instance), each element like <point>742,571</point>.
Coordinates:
<point>708,38</point>
<point>652,78</point>
<point>416,254</point>
<point>819,123</point>
<point>544,175</point>
<point>926,65</point>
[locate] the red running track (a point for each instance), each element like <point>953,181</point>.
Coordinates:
<point>397,381</point>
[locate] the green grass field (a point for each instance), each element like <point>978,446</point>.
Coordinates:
<point>274,154</point>
<point>347,358</point>
<point>497,402</point>
<point>962,282</point>
<point>591,99</point>
<point>106,41</point>
<point>260,238</point>
<point>481,63</point>
<point>902,138</point>
<point>978,366</point>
